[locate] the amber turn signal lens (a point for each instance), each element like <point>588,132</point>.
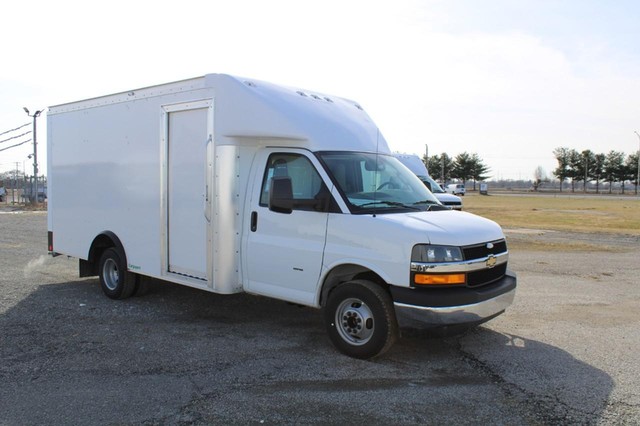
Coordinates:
<point>444,279</point>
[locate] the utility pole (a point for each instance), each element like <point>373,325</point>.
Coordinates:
<point>34,195</point>
<point>15,183</point>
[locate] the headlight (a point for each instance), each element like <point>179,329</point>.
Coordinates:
<point>435,254</point>
<point>429,254</point>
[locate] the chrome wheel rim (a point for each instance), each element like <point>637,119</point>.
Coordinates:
<point>354,321</point>
<point>110,274</point>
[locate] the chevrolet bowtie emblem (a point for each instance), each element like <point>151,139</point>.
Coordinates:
<point>491,261</point>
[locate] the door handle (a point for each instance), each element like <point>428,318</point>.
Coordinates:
<point>254,221</point>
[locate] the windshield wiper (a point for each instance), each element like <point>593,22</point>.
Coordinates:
<point>389,203</point>
<point>432,205</point>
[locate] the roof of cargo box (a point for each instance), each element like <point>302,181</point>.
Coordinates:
<point>319,122</point>
<point>254,109</point>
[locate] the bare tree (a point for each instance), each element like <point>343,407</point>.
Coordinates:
<point>539,177</point>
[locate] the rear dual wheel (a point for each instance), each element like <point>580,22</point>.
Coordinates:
<point>360,319</point>
<point>115,280</point>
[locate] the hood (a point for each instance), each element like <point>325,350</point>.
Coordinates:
<point>445,227</point>
<point>444,197</point>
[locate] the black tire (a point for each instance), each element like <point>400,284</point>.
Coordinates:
<point>115,280</point>
<point>142,287</point>
<point>360,319</point>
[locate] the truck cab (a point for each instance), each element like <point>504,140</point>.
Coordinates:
<point>371,224</point>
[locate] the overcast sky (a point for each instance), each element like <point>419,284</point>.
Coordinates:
<point>510,80</point>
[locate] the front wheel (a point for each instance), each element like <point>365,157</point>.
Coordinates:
<point>360,319</point>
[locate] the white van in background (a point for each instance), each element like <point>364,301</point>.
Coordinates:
<point>456,189</point>
<point>452,201</point>
<point>415,164</point>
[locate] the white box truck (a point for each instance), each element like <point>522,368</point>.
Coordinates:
<point>415,164</point>
<point>235,185</point>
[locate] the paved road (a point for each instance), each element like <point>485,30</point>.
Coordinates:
<point>566,352</point>
<point>629,195</point>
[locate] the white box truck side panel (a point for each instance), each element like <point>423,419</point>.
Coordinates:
<point>104,162</point>
<point>106,157</point>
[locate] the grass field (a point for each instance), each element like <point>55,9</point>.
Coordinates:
<point>563,213</point>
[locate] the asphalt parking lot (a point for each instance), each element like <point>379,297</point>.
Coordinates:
<point>565,353</point>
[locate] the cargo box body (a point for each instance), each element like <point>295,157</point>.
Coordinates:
<point>165,168</point>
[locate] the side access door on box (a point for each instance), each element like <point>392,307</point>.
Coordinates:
<point>187,130</point>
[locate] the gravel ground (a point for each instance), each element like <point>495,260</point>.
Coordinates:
<point>565,352</point>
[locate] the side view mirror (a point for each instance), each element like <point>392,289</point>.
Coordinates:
<point>281,194</point>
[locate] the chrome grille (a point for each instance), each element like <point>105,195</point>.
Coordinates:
<point>478,251</point>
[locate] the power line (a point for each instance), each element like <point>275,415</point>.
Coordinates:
<point>13,130</point>
<point>15,137</point>
<point>13,146</point>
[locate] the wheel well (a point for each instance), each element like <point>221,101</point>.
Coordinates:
<point>344,273</point>
<point>105,240</point>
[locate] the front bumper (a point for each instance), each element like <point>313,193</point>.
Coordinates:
<point>456,305</point>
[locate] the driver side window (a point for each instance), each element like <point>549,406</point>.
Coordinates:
<point>306,183</point>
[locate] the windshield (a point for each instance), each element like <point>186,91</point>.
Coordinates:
<point>377,183</point>
<point>431,184</point>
